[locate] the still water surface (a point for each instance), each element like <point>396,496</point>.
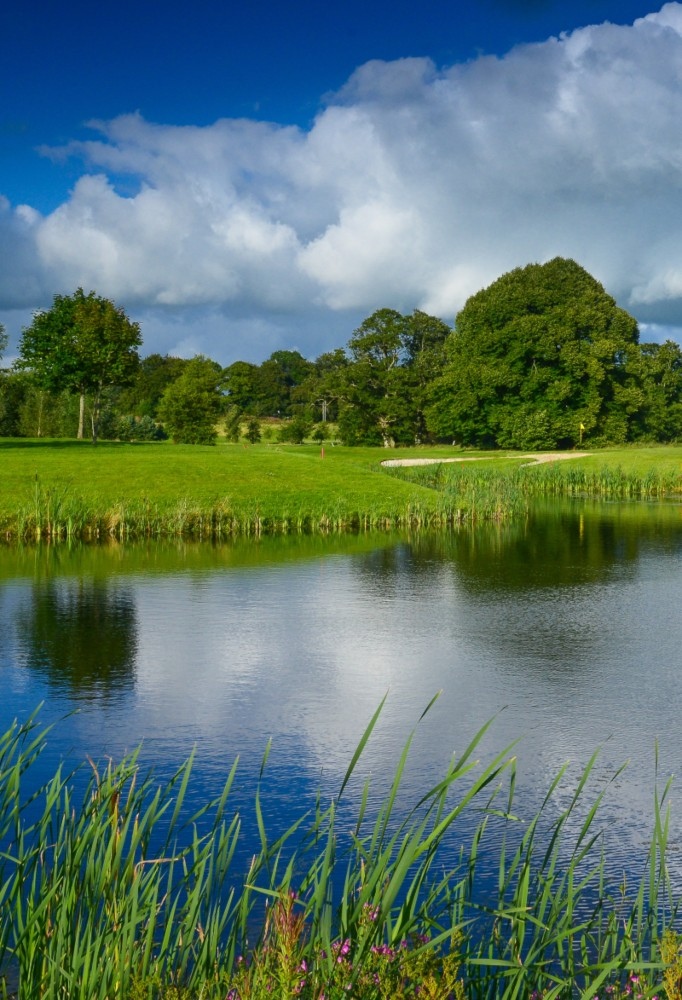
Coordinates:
<point>566,626</point>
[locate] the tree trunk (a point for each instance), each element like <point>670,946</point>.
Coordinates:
<point>81,417</point>
<point>95,416</point>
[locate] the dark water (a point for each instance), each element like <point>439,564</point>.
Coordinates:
<point>565,626</point>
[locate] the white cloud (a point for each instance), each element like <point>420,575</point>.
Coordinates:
<point>414,187</point>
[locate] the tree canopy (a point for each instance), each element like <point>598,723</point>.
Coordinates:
<point>267,390</point>
<point>191,404</point>
<point>542,358</point>
<point>154,374</point>
<point>382,390</point>
<point>534,357</point>
<point>82,344</point>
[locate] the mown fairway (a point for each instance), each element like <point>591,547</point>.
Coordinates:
<point>162,484</point>
<point>68,487</point>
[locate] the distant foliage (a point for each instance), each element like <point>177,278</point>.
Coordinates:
<point>267,390</point>
<point>191,405</point>
<point>155,373</point>
<point>253,433</point>
<point>144,429</point>
<point>295,430</point>
<point>542,359</point>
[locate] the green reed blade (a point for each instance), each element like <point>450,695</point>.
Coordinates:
<point>361,745</point>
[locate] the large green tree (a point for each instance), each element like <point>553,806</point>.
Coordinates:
<point>319,394</point>
<point>424,361</point>
<point>191,405</point>
<point>375,402</point>
<point>280,375</point>
<point>266,390</point>
<point>83,344</point>
<point>241,382</point>
<point>384,388</point>
<point>537,359</point>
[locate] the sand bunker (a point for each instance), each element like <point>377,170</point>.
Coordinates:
<point>536,459</point>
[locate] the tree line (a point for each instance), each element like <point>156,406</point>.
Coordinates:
<point>542,358</point>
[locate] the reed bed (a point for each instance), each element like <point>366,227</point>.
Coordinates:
<point>507,490</point>
<point>60,490</point>
<point>604,482</point>
<point>117,893</point>
<point>58,514</point>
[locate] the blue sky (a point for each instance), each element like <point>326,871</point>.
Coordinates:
<point>243,178</point>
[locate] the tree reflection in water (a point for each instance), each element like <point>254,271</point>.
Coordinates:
<point>81,635</point>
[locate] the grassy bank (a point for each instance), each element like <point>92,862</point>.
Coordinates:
<point>624,474</point>
<point>65,488</point>
<point>70,489</point>
<point>118,894</point>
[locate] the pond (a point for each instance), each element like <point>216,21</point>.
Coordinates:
<point>564,626</point>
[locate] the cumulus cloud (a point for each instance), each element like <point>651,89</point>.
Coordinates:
<point>414,187</point>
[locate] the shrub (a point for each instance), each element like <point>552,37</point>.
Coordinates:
<point>144,429</point>
<point>253,430</point>
<point>295,430</point>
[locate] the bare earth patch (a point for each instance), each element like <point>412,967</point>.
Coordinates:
<point>536,459</point>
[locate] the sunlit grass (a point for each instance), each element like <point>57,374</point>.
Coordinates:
<point>626,474</point>
<point>59,489</point>
<point>69,489</point>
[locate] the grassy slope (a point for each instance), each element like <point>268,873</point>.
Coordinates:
<point>118,481</point>
<point>264,480</point>
<point>164,472</point>
<point>639,461</point>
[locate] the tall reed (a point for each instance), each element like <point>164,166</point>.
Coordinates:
<point>501,492</point>
<point>119,893</point>
<point>55,515</point>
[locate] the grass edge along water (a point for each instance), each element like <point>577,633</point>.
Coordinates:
<point>505,490</point>
<point>124,492</point>
<point>89,911</point>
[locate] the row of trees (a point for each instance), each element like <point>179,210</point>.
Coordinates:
<point>542,358</point>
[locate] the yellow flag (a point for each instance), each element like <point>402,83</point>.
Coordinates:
<point>582,427</point>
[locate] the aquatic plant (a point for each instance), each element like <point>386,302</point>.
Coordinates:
<point>508,489</point>
<point>118,893</point>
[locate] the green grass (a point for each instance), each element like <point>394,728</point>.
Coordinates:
<point>90,911</point>
<point>67,488</point>
<point>624,474</point>
<point>70,489</point>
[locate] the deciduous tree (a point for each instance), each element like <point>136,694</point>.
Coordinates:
<point>657,369</point>
<point>154,375</point>
<point>384,387</point>
<point>83,343</point>
<point>191,405</point>
<point>541,351</point>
